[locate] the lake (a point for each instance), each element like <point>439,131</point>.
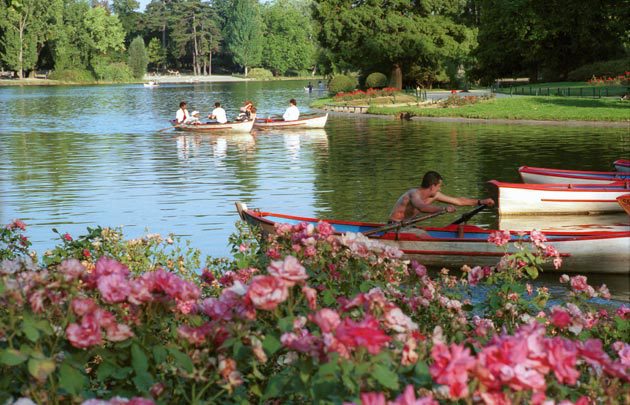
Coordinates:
<point>78,156</point>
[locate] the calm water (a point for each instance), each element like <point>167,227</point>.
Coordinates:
<point>72,157</point>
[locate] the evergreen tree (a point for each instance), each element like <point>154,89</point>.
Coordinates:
<point>155,53</point>
<point>244,33</point>
<point>138,59</point>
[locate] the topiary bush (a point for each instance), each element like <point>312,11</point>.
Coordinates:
<point>341,83</point>
<point>610,68</point>
<point>376,80</point>
<point>259,73</point>
<point>72,75</point>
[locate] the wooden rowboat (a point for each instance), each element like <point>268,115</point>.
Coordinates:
<point>234,126</point>
<point>456,245</point>
<point>305,121</point>
<point>624,202</point>
<point>151,84</point>
<point>617,222</point>
<point>622,165</point>
<point>540,199</point>
<point>541,175</point>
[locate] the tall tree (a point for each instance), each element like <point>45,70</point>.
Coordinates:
<point>244,33</point>
<point>128,16</point>
<point>395,34</point>
<point>156,54</point>
<point>138,59</point>
<point>289,42</point>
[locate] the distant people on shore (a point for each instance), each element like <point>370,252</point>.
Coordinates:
<point>182,114</point>
<point>292,113</point>
<point>246,111</point>
<point>310,87</point>
<point>218,114</point>
<point>320,86</point>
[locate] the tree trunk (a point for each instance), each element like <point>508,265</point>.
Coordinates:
<point>210,63</point>
<point>245,71</point>
<point>396,77</point>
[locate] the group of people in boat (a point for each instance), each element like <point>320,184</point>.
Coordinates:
<point>218,115</point>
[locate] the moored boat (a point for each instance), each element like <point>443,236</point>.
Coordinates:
<point>617,222</point>
<point>305,121</point>
<point>234,126</point>
<point>540,199</point>
<point>624,202</point>
<point>151,84</point>
<point>622,165</point>
<point>456,245</point>
<point>542,175</point>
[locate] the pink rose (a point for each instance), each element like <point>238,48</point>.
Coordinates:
<point>82,306</point>
<point>499,238</point>
<point>71,269</point>
<point>311,297</point>
<point>266,292</point>
<point>290,270</point>
<point>113,287</point>
<point>560,318</point>
<point>365,333</point>
<point>450,367</point>
<point>579,284</point>
<point>326,319</point>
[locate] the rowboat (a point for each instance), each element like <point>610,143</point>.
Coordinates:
<point>234,126</point>
<point>540,199</point>
<point>456,245</point>
<point>541,175</point>
<point>151,84</point>
<point>622,165</point>
<point>305,121</point>
<point>617,222</point>
<point>624,202</point>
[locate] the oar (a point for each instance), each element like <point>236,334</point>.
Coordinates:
<point>465,217</point>
<point>171,127</point>
<point>403,223</point>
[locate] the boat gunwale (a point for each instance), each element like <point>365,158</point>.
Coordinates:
<point>612,187</point>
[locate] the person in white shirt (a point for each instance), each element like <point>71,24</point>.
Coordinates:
<point>182,114</point>
<point>292,113</point>
<point>194,118</point>
<point>218,114</point>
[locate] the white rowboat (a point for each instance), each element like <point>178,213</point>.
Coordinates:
<point>305,121</point>
<point>542,175</point>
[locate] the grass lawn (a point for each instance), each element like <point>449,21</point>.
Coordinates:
<point>526,108</point>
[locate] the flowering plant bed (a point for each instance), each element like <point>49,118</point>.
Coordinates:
<point>300,316</point>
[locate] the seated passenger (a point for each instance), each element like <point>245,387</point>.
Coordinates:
<point>292,113</point>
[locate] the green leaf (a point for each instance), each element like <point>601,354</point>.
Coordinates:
<point>275,386</point>
<point>41,368</point>
<point>271,344</point>
<point>122,373</point>
<point>422,373</point>
<point>12,357</point>
<point>328,297</point>
<point>159,354</point>
<point>364,287</point>
<point>139,360</point>
<point>105,370</point>
<point>182,359</point>
<point>143,381</point>
<point>386,377</point>
<point>71,379</point>
<point>286,324</point>
<point>29,328</point>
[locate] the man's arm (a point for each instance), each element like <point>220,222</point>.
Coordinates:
<point>463,200</point>
<point>420,205</point>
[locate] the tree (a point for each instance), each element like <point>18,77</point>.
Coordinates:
<point>26,26</point>
<point>129,18</point>
<point>155,53</point>
<point>289,42</point>
<point>138,59</point>
<point>392,35</point>
<point>244,33</point>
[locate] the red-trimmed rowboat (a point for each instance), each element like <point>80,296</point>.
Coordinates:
<point>542,175</point>
<point>624,202</point>
<point>541,199</point>
<point>233,126</point>
<point>305,121</point>
<point>456,245</point>
<point>622,165</point>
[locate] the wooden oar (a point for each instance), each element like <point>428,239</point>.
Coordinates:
<point>403,223</point>
<point>465,217</point>
<point>171,127</point>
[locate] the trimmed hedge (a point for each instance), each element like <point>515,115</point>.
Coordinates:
<point>72,75</point>
<point>341,83</point>
<point>610,68</point>
<point>376,80</point>
<point>259,73</point>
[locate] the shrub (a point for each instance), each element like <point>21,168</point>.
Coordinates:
<point>342,83</point>
<point>376,80</point>
<point>611,68</point>
<point>113,72</point>
<point>72,75</point>
<point>259,73</point>
<point>138,58</point>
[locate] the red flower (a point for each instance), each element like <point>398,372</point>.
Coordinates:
<point>365,333</point>
<point>86,253</point>
<point>67,237</point>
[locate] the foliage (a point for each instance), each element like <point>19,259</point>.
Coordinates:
<point>288,37</point>
<point>156,53</point>
<point>260,73</point>
<point>376,80</point>
<point>341,83</point>
<point>367,94</point>
<point>244,33</point>
<point>138,58</point>
<point>115,72</point>
<point>72,76</point>
<point>611,68</point>
<point>13,243</point>
<point>455,100</point>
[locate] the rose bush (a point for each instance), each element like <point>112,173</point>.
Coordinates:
<point>298,316</point>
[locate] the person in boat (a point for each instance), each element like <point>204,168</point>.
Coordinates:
<point>292,113</point>
<point>421,199</point>
<point>245,113</point>
<point>218,114</point>
<point>182,114</point>
<point>194,118</point>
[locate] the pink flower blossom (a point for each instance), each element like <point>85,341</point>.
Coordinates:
<point>538,238</point>
<point>499,238</point>
<point>623,312</point>
<point>105,266</point>
<point>113,287</point>
<point>564,278</point>
<point>408,397</point>
<point>324,229</point>
<point>118,332</point>
<point>67,237</point>
<point>82,306</point>
<point>16,224</point>
<point>326,319</point>
<point>419,269</point>
<point>475,275</point>
<point>266,292</point>
<point>365,333</point>
<point>562,356</point>
<point>579,284</point>
<point>87,334</point>
<point>560,318</point>
<point>450,367</point>
<point>397,321</point>
<point>290,270</point>
<point>409,354</point>
<point>311,297</point>
<point>71,269</point>
<point>194,335</point>
<point>373,398</point>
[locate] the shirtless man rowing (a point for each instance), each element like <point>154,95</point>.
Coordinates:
<point>421,199</point>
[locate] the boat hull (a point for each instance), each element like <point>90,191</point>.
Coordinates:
<point>541,175</point>
<point>241,127</point>
<point>624,202</point>
<point>318,121</point>
<point>622,165</point>
<point>586,252</point>
<point>544,199</point>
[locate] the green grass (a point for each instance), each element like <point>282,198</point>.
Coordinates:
<point>526,108</point>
